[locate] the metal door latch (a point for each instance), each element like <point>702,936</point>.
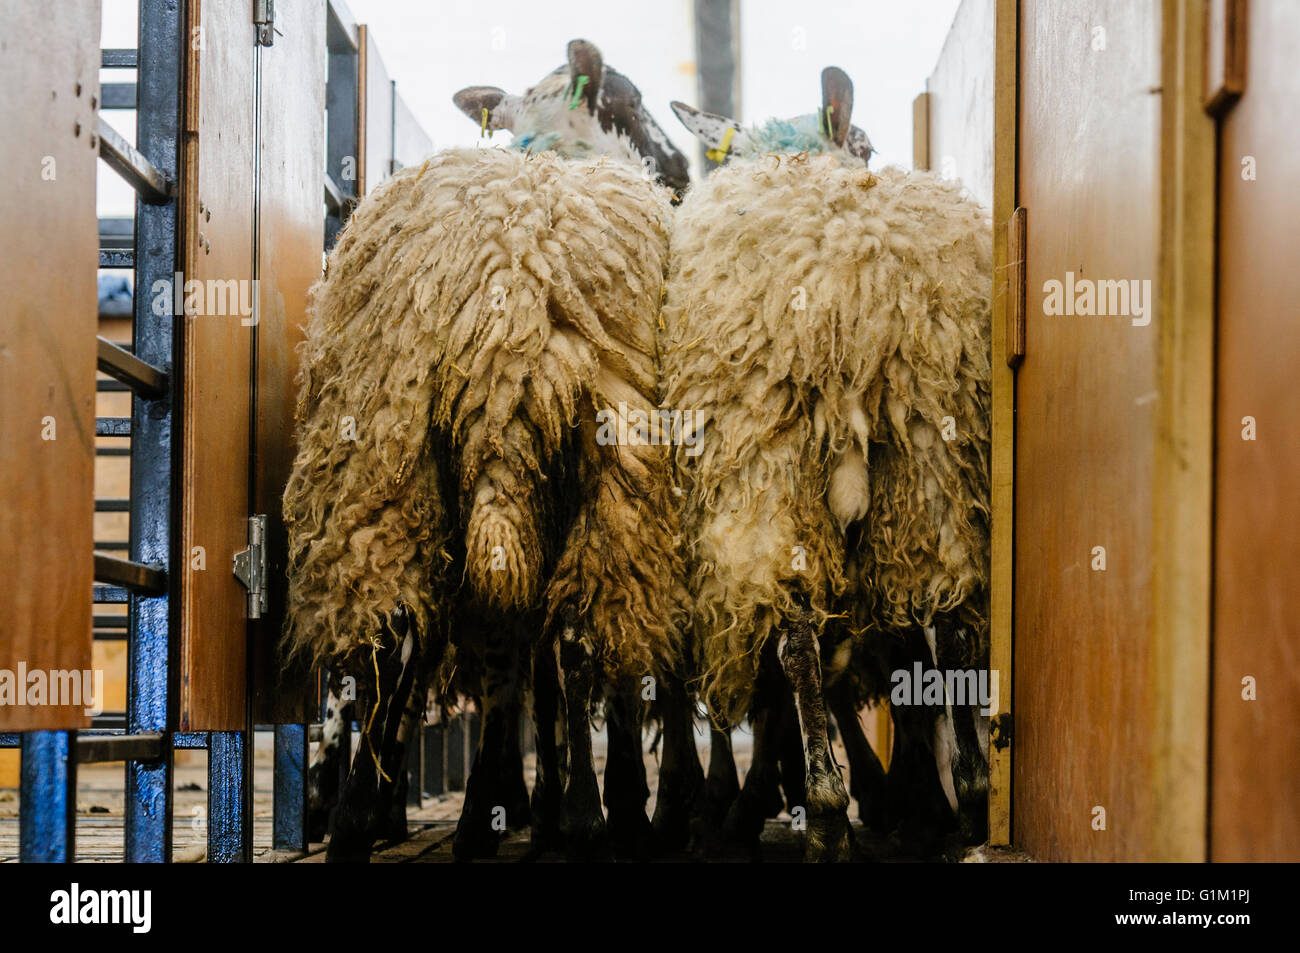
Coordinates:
<point>264,20</point>
<point>250,566</point>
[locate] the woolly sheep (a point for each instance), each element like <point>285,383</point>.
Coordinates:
<point>829,327</point>
<point>477,312</point>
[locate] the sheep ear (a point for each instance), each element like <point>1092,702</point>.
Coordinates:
<point>707,127</point>
<point>837,103</point>
<point>585,60</point>
<point>472,100</point>
<point>858,144</point>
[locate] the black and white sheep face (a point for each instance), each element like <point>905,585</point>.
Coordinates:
<point>581,108</point>
<point>830,129</point>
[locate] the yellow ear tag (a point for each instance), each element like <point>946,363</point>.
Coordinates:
<point>719,154</point>
<point>483,130</point>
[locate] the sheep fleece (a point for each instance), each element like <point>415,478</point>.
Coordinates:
<point>829,326</point>
<point>474,315</point>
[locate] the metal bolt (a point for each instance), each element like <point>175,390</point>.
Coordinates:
<point>76,128</point>
<point>78,89</point>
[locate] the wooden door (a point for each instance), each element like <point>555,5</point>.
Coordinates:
<point>1086,396</point>
<point>49,69</point>
<point>217,346</point>
<point>1255,741</point>
<point>291,172</point>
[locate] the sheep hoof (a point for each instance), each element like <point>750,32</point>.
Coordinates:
<point>474,841</point>
<point>586,841</point>
<point>830,839</point>
<point>630,835</point>
<point>749,812</point>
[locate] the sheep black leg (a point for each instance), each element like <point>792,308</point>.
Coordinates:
<point>760,795</point>
<point>866,776</point>
<point>827,804</point>
<point>518,812</point>
<point>967,761</point>
<point>485,815</point>
<point>917,808</point>
<point>546,802</point>
<point>366,800</point>
<point>626,790</point>
<point>582,821</point>
<point>681,778</point>
<point>721,788</point>
<point>794,776</point>
<point>325,773</point>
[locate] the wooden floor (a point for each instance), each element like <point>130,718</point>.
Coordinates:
<point>100,804</point>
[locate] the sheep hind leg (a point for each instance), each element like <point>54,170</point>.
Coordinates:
<point>866,775</point>
<point>365,802</point>
<point>485,815</point>
<point>681,778</point>
<point>324,774</point>
<point>626,790</point>
<point>827,820</point>
<point>546,804</point>
<point>582,820</point>
<point>721,788</point>
<point>760,795</point>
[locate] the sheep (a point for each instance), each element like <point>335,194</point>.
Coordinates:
<point>451,497</point>
<point>829,326</point>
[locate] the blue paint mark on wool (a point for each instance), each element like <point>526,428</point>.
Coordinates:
<point>801,134</point>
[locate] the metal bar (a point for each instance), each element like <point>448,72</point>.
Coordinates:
<point>136,577</point>
<point>289,800</point>
<point>47,824</point>
<point>112,426</point>
<point>454,761</point>
<point>150,184</point>
<point>146,747</point>
<point>190,739</point>
<point>116,258</point>
<point>107,545</point>
<point>342,146</point>
<point>112,451</point>
<point>117,59</point>
<point>333,196</point>
<point>110,595</point>
<point>229,831</point>
<point>153,458</point>
<point>142,377</point>
<point>435,783</point>
<point>103,386</point>
<point>10,739</point>
<point>415,767</point>
<point>117,95</point>
<point>109,621</point>
<point>112,505</point>
<point>108,721</point>
<point>117,232</point>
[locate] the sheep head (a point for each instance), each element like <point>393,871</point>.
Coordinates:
<point>829,129</point>
<point>581,109</point>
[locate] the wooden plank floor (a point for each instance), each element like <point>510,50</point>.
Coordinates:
<point>100,805</point>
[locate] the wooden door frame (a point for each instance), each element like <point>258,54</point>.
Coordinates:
<point>1182,489</point>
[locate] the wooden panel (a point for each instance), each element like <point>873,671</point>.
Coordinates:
<point>1255,803</point>
<point>1085,433</point>
<point>218,214</point>
<point>377,116</point>
<point>49,88</point>
<point>291,164</point>
<point>411,144</point>
<point>961,101</point>
<point>1001,749</point>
